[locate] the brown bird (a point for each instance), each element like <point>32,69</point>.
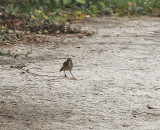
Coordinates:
<point>67,66</point>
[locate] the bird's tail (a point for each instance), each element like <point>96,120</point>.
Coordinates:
<point>61,69</point>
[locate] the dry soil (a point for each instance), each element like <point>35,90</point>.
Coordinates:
<point>116,84</point>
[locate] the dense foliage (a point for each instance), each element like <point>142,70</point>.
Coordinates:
<point>122,7</point>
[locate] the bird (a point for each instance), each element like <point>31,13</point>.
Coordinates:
<point>67,66</point>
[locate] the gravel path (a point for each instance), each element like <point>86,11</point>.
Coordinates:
<point>117,83</point>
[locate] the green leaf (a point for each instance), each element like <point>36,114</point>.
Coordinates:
<point>47,1</point>
<point>66,2</point>
<point>81,1</point>
<point>14,31</point>
<point>95,10</point>
<point>58,2</point>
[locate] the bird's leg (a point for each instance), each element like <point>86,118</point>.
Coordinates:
<point>71,74</point>
<point>65,74</point>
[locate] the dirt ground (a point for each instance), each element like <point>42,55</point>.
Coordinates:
<point>117,83</point>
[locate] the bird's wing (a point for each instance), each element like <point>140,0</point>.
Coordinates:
<point>71,64</point>
<point>65,64</point>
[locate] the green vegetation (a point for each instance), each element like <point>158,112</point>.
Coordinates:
<point>51,16</point>
<point>7,36</point>
<point>8,54</point>
<point>45,9</point>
